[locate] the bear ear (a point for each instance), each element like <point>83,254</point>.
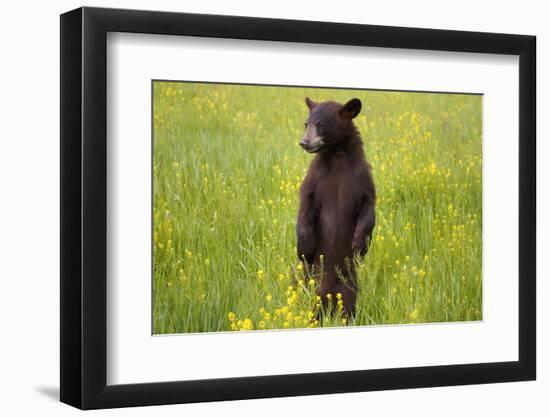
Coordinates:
<point>310,104</point>
<point>351,109</point>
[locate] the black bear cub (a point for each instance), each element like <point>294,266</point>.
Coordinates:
<point>337,201</point>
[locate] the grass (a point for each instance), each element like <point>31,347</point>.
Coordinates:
<point>227,167</point>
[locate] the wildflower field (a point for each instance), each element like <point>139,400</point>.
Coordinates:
<point>227,168</point>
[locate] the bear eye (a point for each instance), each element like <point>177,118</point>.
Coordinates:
<point>305,125</point>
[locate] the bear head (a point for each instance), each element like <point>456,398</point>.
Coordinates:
<point>329,125</point>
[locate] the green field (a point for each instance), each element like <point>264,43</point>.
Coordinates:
<point>227,167</point>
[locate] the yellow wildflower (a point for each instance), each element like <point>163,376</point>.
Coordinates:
<point>247,325</point>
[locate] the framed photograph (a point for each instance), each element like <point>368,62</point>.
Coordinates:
<point>256,208</point>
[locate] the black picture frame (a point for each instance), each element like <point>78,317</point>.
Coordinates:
<point>84,207</point>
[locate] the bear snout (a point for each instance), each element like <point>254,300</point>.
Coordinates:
<point>312,145</point>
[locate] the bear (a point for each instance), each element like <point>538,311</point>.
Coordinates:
<point>336,214</point>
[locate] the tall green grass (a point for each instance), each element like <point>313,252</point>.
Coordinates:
<point>227,167</point>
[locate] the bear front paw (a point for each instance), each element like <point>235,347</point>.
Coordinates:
<point>307,257</point>
<point>360,247</point>
<point>306,245</point>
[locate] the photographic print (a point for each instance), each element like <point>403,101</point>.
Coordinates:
<point>279,207</point>
<point>341,183</point>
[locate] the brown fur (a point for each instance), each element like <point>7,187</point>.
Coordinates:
<point>337,200</point>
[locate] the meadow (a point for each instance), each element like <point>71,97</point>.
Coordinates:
<point>227,168</point>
